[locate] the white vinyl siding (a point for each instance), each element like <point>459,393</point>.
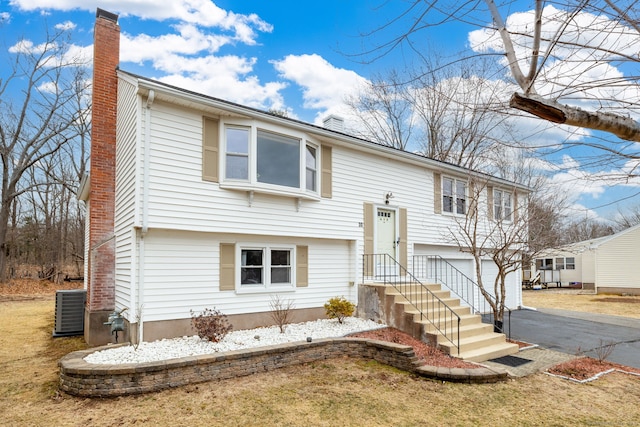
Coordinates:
<point>617,263</point>
<point>182,270</point>
<point>126,200</point>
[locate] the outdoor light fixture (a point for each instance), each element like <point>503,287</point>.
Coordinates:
<point>388,197</point>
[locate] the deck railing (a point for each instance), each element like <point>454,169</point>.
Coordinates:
<point>383,268</point>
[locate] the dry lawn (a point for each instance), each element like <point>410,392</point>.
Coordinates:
<point>616,305</point>
<point>337,392</point>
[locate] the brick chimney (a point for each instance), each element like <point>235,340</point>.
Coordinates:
<point>101,206</point>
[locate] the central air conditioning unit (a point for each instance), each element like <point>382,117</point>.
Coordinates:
<point>69,312</point>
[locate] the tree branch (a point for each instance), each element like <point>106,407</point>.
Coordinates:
<point>623,127</point>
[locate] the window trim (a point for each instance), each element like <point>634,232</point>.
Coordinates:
<point>316,183</point>
<point>252,183</point>
<point>236,154</point>
<point>266,286</point>
<point>562,263</point>
<point>454,196</point>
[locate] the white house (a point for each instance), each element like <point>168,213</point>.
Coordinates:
<point>195,202</point>
<point>607,264</point>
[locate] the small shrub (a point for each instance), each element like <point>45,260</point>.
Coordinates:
<point>281,312</point>
<point>339,307</point>
<point>604,350</point>
<point>211,324</point>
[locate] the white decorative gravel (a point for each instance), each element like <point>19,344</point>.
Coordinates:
<point>235,340</point>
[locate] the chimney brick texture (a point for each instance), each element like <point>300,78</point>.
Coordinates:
<point>106,57</point>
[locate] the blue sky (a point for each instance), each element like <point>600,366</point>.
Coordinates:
<point>302,57</point>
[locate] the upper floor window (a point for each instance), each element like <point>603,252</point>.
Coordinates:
<point>237,159</point>
<point>454,196</point>
<point>311,165</point>
<point>278,159</point>
<point>268,159</point>
<point>502,205</point>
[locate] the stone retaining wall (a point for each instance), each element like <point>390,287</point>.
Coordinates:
<point>80,378</point>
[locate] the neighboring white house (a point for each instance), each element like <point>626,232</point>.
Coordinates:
<point>221,205</point>
<point>607,264</point>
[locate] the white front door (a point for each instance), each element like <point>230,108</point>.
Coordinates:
<point>386,241</point>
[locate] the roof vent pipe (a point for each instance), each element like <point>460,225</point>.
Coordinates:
<point>333,122</point>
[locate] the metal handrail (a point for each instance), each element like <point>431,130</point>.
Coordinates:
<point>384,268</point>
<point>438,269</point>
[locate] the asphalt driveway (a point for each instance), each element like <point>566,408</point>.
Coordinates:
<point>573,332</point>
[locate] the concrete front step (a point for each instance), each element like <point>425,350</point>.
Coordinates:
<point>472,343</point>
<point>442,314</point>
<point>424,296</point>
<point>431,305</point>
<point>490,352</point>
<point>466,331</point>
<point>478,342</point>
<point>465,319</point>
<point>413,289</point>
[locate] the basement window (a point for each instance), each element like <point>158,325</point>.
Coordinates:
<point>266,268</point>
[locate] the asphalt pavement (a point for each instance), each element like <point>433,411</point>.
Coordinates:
<point>576,333</point>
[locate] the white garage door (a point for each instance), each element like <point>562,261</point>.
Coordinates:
<point>489,273</point>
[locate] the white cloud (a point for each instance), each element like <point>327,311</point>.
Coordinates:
<point>65,26</point>
<point>202,13</point>
<point>25,46</point>
<point>324,86</point>
<point>571,178</point>
<point>73,55</point>
<point>578,210</point>
<point>226,77</point>
<point>189,40</point>
<point>5,17</point>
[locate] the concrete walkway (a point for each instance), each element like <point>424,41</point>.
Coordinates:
<point>536,359</point>
<point>562,335</point>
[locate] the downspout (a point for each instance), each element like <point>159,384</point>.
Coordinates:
<point>145,213</point>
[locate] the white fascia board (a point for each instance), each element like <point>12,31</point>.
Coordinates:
<point>85,188</point>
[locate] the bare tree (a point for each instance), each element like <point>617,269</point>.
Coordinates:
<point>627,218</point>
<point>39,91</point>
<point>580,229</point>
<point>384,112</point>
<point>496,233</point>
<point>452,115</point>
